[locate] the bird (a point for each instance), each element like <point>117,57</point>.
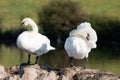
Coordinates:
<point>32,41</point>
<point>80,42</point>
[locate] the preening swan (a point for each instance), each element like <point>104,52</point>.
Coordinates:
<point>80,42</point>
<point>32,41</point>
<point>86,32</point>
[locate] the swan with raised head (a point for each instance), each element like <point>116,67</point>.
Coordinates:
<point>80,42</point>
<point>32,41</point>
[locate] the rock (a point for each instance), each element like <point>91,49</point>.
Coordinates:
<point>42,72</point>
<point>3,74</point>
<point>14,77</point>
<point>70,72</point>
<point>30,74</point>
<point>48,76</point>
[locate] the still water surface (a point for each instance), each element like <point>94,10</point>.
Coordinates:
<point>106,59</point>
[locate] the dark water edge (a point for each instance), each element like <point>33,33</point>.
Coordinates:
<point>105,54</point>
<point>101,44</point>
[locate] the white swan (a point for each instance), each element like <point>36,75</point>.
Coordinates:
<point>32,41</point>
<point>85,31</point>
<point>80,42</point>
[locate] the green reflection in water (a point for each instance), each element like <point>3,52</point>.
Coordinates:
<point>104,59</point>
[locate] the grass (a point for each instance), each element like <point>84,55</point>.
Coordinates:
<point>108,8</point>
<point>12,11</point>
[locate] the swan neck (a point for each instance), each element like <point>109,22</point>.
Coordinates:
<point>34,27</point>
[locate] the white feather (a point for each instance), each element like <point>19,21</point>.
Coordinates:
<point>76,48</point>
<point>83,30</point>
<point>81,41</point>
<point>32,41</point>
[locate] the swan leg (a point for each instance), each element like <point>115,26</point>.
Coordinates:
<point>71,64</point>
<point>25,64</point>
<point>36,60</point>
<point>28,58</point>
<point>85,63</point>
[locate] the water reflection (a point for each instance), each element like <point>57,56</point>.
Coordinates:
<point>101,58</point>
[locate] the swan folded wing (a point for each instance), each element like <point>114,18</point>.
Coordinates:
<point>76,47</point>
<point>81,48</point>
<point>37,43</point>
<point>68,46</point>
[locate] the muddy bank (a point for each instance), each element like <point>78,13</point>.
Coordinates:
<point>41,72</point>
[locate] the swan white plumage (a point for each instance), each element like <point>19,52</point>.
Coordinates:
<point>80,42</point>
<point>84,30</point>
<point>32,41</point>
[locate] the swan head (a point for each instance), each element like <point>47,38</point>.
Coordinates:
<point>84,25</point>
<point>30,22</point>
<point>26,21</point>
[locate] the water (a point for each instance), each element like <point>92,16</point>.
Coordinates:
<point>106,59</point>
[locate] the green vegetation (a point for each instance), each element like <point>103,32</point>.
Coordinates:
<point>59,17</point>
<point>107,8</point>
<point>12,11</point>
<point>103,14</point>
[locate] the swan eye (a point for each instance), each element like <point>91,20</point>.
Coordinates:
<point>22,24</point>
<point>88,36</point>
